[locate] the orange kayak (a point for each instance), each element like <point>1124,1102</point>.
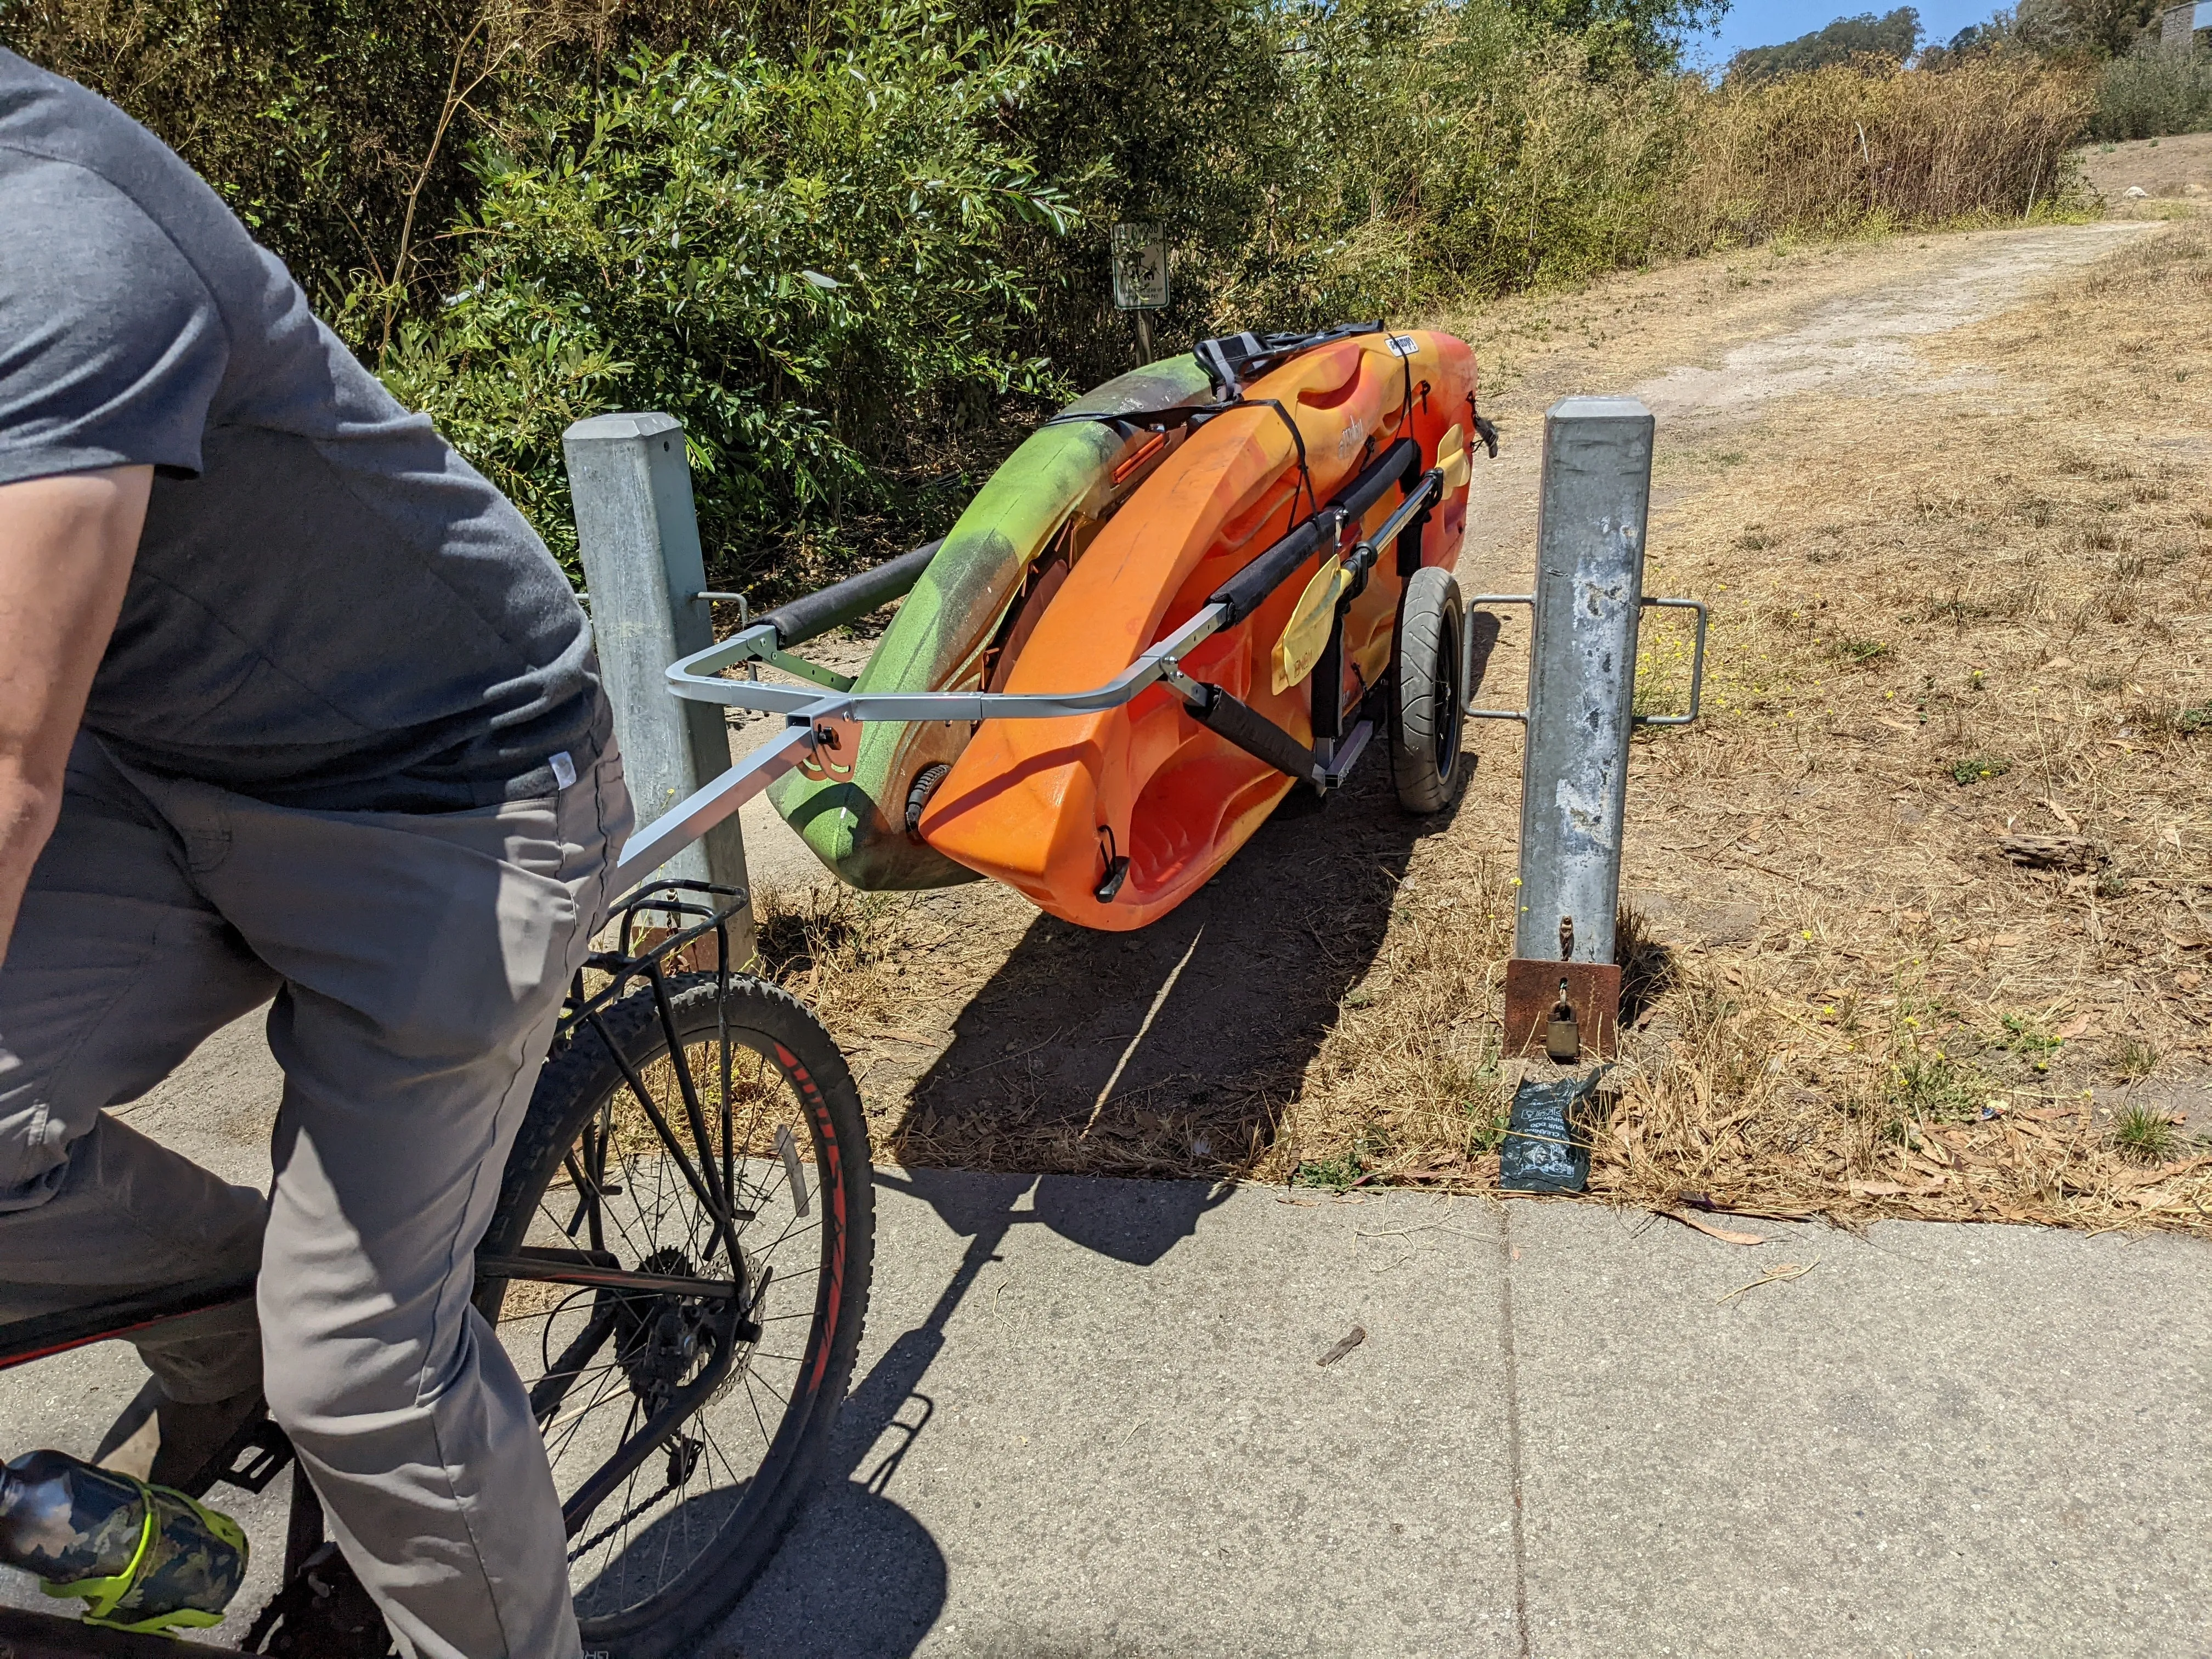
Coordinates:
<point>1052,806</point>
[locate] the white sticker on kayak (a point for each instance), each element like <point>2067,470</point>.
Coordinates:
<point>1403,345</point>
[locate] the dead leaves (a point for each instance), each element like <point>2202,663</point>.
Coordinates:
<point>1898,1189</point>
<point>1712,1231</point>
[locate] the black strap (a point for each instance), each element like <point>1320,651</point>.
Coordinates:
<point>1305,473</point>
<point>1184,414</point>
<point>1242,593</point>
<point>1136,420</point>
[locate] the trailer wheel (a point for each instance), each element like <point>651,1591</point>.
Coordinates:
<point>1427,695</point>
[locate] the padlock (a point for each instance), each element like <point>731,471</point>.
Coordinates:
<point>1563,1037</point>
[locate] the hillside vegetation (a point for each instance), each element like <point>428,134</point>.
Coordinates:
<point>854,249</point>
<point>1893,35</point>
<point>2153,90</point>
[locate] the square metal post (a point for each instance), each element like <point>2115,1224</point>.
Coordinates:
<point>638,532</point>
<point>1595,501</point>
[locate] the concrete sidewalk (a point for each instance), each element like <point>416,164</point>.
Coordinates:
<point>1109,1436</point>
<point>1088,1424</point>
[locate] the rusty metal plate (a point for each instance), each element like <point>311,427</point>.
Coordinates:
<point>1532,990</point>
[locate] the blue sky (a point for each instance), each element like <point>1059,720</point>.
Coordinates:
<point>1767,22</point>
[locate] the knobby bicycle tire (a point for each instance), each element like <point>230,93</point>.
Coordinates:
<point>575,1114</point>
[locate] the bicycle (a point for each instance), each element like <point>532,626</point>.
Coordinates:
<point>691,1181</point>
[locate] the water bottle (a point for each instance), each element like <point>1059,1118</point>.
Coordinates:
<point>143,1557</point>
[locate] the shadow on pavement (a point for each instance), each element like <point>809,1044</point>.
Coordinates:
<point>861,1578</point>
<point>1133,1053</point>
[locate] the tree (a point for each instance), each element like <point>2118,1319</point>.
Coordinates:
<point>2101,29</point>
<point>1975,40</point>
<point>1646,35</point>
<point>1892,35</point>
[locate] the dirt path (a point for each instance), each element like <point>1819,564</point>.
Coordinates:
<point>1938,491</point>
<point>1714,343</point>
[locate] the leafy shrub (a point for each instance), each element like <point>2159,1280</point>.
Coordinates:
<point>313,118</point>
<point>804,262</point>
<point>1466,157</point>
<point>2154,90</point>
<point>1181,112</point>
<point>527,211</point>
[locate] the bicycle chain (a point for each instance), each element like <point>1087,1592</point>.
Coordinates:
<point>639,1508</point>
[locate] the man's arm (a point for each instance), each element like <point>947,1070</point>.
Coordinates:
<point>66,545</point>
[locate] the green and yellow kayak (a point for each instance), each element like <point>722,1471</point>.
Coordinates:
<point>966,620</point>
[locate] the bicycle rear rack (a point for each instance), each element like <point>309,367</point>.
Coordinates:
<point>628,962</point>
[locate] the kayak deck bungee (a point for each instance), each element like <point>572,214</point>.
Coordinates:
<point>966,621</point>
<point>1110,819</point>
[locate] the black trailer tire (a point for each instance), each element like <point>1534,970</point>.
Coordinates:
<point>1428,688</point>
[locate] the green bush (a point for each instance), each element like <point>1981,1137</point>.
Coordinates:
<point>856,252</point>
<point>313,118</point>
<point>2154,90</point>
<point>804,262</point>
<point>1181,112</point>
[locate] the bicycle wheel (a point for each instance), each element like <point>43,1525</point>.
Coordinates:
<point>683,1430</point>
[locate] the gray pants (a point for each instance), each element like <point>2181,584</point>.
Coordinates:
<point>417,963</point>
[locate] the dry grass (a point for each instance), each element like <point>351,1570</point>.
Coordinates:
<point>1842,149</point>
<point>1413,1062</point>
<point>1939,618</point>
<point>1986,610</point>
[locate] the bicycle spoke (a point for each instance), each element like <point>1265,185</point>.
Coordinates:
<point>676,1169</point>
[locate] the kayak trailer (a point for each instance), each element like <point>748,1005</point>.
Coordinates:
<point>821,719</point>
<point>1562,987</point>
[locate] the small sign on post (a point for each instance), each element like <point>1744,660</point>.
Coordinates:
<point>1139,255</point>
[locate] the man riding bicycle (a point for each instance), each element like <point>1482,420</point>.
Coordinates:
<point>294,705</point>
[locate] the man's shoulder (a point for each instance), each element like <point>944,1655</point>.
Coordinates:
<point>45,118</point>
<point>52,128</point>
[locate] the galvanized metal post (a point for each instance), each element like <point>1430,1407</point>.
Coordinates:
<point>638,532</point>
<point>1596,493</point>
<point>1563,987</point>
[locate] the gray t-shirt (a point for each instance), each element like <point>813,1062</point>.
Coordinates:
<point>330,608</point>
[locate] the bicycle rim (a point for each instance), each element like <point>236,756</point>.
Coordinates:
<point>636,1169</point>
